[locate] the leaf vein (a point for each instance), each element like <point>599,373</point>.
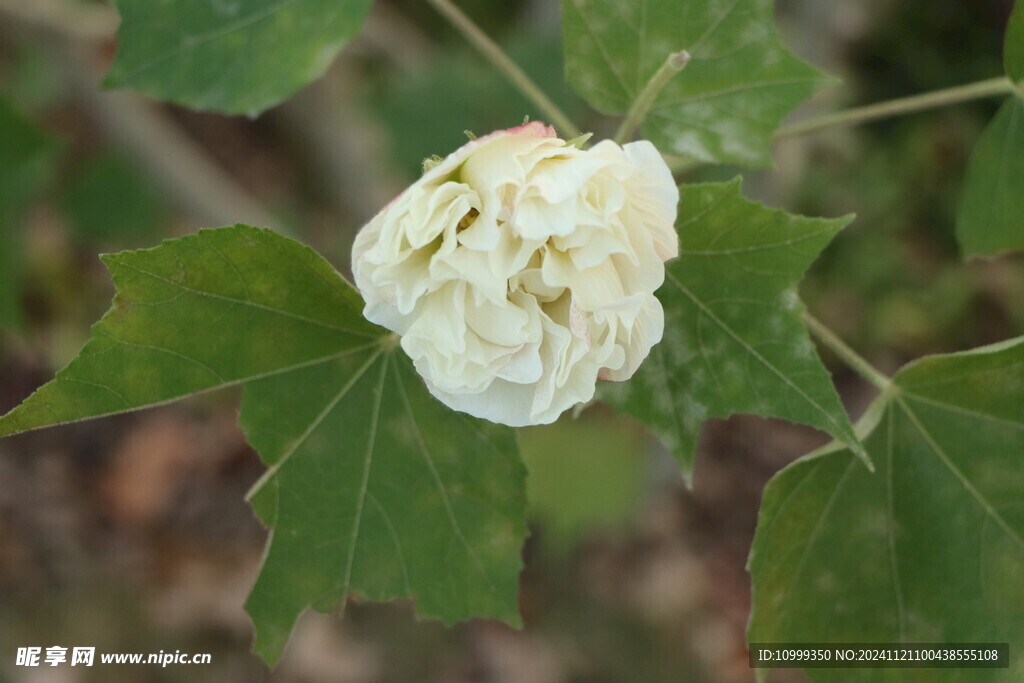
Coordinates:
<point>398,541</point>
<point>695,48</point>
<point>195,41</point>
<point>894,566</point>
<point>276,467</point>
<point>733,90</point>
<point>965,411</point>
<point>171,352</point>
<point>97,385</point>
<point>964,481</point>
<point>253,304</point>
<point>764,361</point>
<point>446,501</point>
<point>818,526</point>
<point>602,50</point>
<point>364,482</point>
<point>763,247</point>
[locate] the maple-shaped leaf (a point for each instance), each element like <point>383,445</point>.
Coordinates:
<point>734,338</point>
<point>929,547</point>
<point>229,56</point>
<point>724,107</point>
<point>374,487</point>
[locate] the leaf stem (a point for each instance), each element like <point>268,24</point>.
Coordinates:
<point>674,63</point>
<point>901,106</point>
<point>516,76</point>
<point>846,354</point>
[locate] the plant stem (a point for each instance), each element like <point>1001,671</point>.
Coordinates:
<point>482,42</point>
<point>848,355</point>
<point>900,107</point>
<point>674,63</point>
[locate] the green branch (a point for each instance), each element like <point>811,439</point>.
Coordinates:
<point>516,76</point>
<point>846,354</point>
<point>881,110</point>
<point>674,63</point>
<point>900,107</point>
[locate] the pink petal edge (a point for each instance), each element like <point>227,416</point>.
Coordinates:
<point>535,128</point>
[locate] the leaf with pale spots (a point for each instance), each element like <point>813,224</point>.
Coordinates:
<point>724,106</point>
<point>734,338</point>
<point>374,487</point>
<point>929,547</point>
<point>229,56</point>
<point>382,492</point>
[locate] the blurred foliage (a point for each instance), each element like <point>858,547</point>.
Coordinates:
<point>25,155</point>
<point>894,284</point>
<point>31,77</point>
<point>427,113</point>
<point>895,280</point>
<point>109,202</point>
<point>586,475</point>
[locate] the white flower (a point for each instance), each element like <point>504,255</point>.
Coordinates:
<point>520,270</point>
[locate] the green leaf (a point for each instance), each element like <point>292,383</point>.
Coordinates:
<point>1013,46</point>
<point>25,156</point>
<point>229,56</point>
<point>210,310</point>
<point>734,339</point>
<point>930,547</point>
<point>990,219</point>
<point>728,101</point>
<point>374,487</point>
<point>382,492</point>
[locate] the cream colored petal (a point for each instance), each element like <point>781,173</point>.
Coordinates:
<point>569,376</point>
<point>485,232</point>
<point>512,315</point>
<point>440,324</point>
<point>499,163</point>
<point>386,315</point>
<point>592,288</point>
<point>638,339</point>
<point>503,402</point>
<point>472,267</point>
<point>451,163</point>
<point>655,195</point>
<point>525,366</point>
<point>601,245</point>
<point>504,324</point>
<point>562,177</point>
<point>532,280</point>
<point>512,254</point>
<point>536,218</point>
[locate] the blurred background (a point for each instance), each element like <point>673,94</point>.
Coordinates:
<point>131,534</point>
